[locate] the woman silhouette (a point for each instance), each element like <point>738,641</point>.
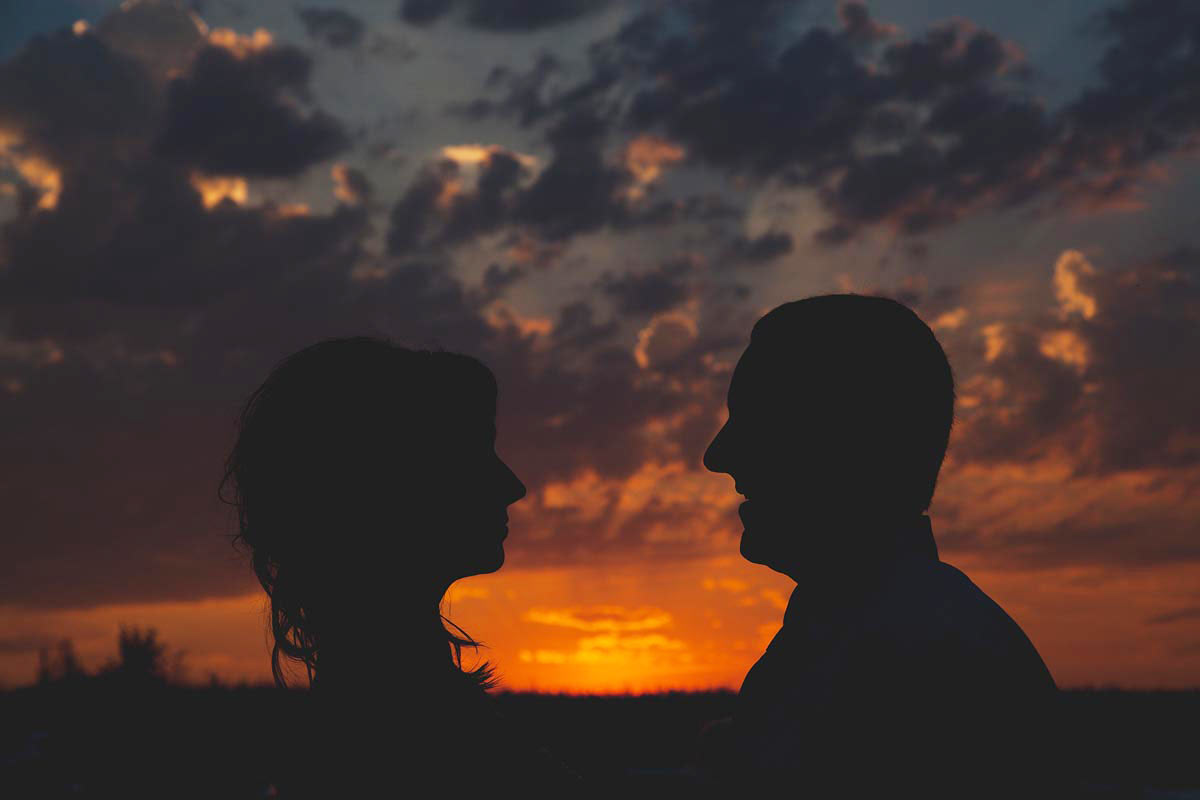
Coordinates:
<point>366,481</point>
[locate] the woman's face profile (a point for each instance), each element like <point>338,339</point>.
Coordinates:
<point>466,498</point>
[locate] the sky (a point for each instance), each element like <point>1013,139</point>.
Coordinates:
<point>598,198</point>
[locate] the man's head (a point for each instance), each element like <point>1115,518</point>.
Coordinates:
<point>839,415</point>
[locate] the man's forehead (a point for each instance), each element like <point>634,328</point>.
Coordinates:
<point>766,374</point>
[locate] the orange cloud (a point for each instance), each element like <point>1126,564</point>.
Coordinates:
<point>725,584</point>
<point>241,46</point>
<point>35,171</point>
<point>951,320</point>
<point>287,210</point>
<point>500,315</point>
<point>645,157</point>
<point>1065,346</point>
<point>994,341</point>
<point>474,155</point>
<point>1069,271</point>
<point>600,618</point>
<point>666,337</point>
<point>215,189</point>
<point>343,188</point>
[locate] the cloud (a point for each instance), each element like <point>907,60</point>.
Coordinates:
<point>760,249</point>
<point>423,12</point>
<point>524,92</point>
<point>472,190</point>
<point>610,619</point>
<point>233,113</point>
<point>1186,614</point>
<point>859,25</point>
<point>911,133</point>
<point>646,157</point>
<point>440,209</point>
<point>20,645</point>
<point>1043,516</point>
<point>160,284</point>
<point>333,26</point>
<point>1071,268</point>
<point>67,98</point>
<point>1064,383</point>
<point>650,292</point>
<point>513,16</point>
<point>351,186</point>
<point>162,292</point>
<point>668,337</point>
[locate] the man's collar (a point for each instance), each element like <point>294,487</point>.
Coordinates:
<point>877,548</point>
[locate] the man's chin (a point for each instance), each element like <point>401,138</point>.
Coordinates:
<point>751,550</point>
<point>756,551</point>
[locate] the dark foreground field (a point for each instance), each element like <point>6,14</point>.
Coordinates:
<point>101,736</point>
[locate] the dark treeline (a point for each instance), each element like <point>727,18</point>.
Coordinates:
<point>133,729</point>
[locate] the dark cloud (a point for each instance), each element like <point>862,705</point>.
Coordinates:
<point>237,114</point>
<point>135,319</point>
<point>1109,391</point>
<point>856,21</point>
<point>1040,406</point>
<point>522,15</point>
<point>163,313</point>
<point>512,16</point>
<point>437,210</point>
<point>416,209</point>
<point>1146,105</point>
<point>1186,614</point>
<point>1081,542</point>
<point>524,95</point>
<point>760,249</point>
<point>73,99</point>
<point>159,246</point>
<point>710,209</point>
<point>909,132</point>
<point>577,328</point>
<point>422,12</point>
<point>352,185</point>
<point>20,645</point>
<point>650,292</point>
<point>497,278</point>
<point>333,26</point>
<point>580,190</point>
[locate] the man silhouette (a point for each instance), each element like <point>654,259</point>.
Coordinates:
<point>893,674</point>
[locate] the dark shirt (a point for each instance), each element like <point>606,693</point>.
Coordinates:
<point>898,676</point>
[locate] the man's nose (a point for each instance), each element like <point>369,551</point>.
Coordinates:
<point>716,457</point>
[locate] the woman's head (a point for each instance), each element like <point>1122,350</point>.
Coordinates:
<point>366,481</point>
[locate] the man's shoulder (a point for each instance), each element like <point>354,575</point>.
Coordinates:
<point>931,610</point>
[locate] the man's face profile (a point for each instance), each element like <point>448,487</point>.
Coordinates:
<point>839,413</point>
<point>778,448</point>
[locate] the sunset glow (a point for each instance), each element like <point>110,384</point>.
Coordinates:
<point>598,201</point>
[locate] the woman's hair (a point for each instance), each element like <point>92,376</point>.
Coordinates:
<point>325,448</point>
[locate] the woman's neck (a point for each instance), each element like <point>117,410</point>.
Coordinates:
<point>365,652</point>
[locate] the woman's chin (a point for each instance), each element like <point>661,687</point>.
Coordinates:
<point>485,563</point>
<point>497,560</point>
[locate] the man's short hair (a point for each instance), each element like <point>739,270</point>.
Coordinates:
<point>876,373</point>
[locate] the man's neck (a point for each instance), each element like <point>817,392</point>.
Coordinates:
<point>853,556</point>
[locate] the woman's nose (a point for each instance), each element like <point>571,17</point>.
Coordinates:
<point>514,490</point>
